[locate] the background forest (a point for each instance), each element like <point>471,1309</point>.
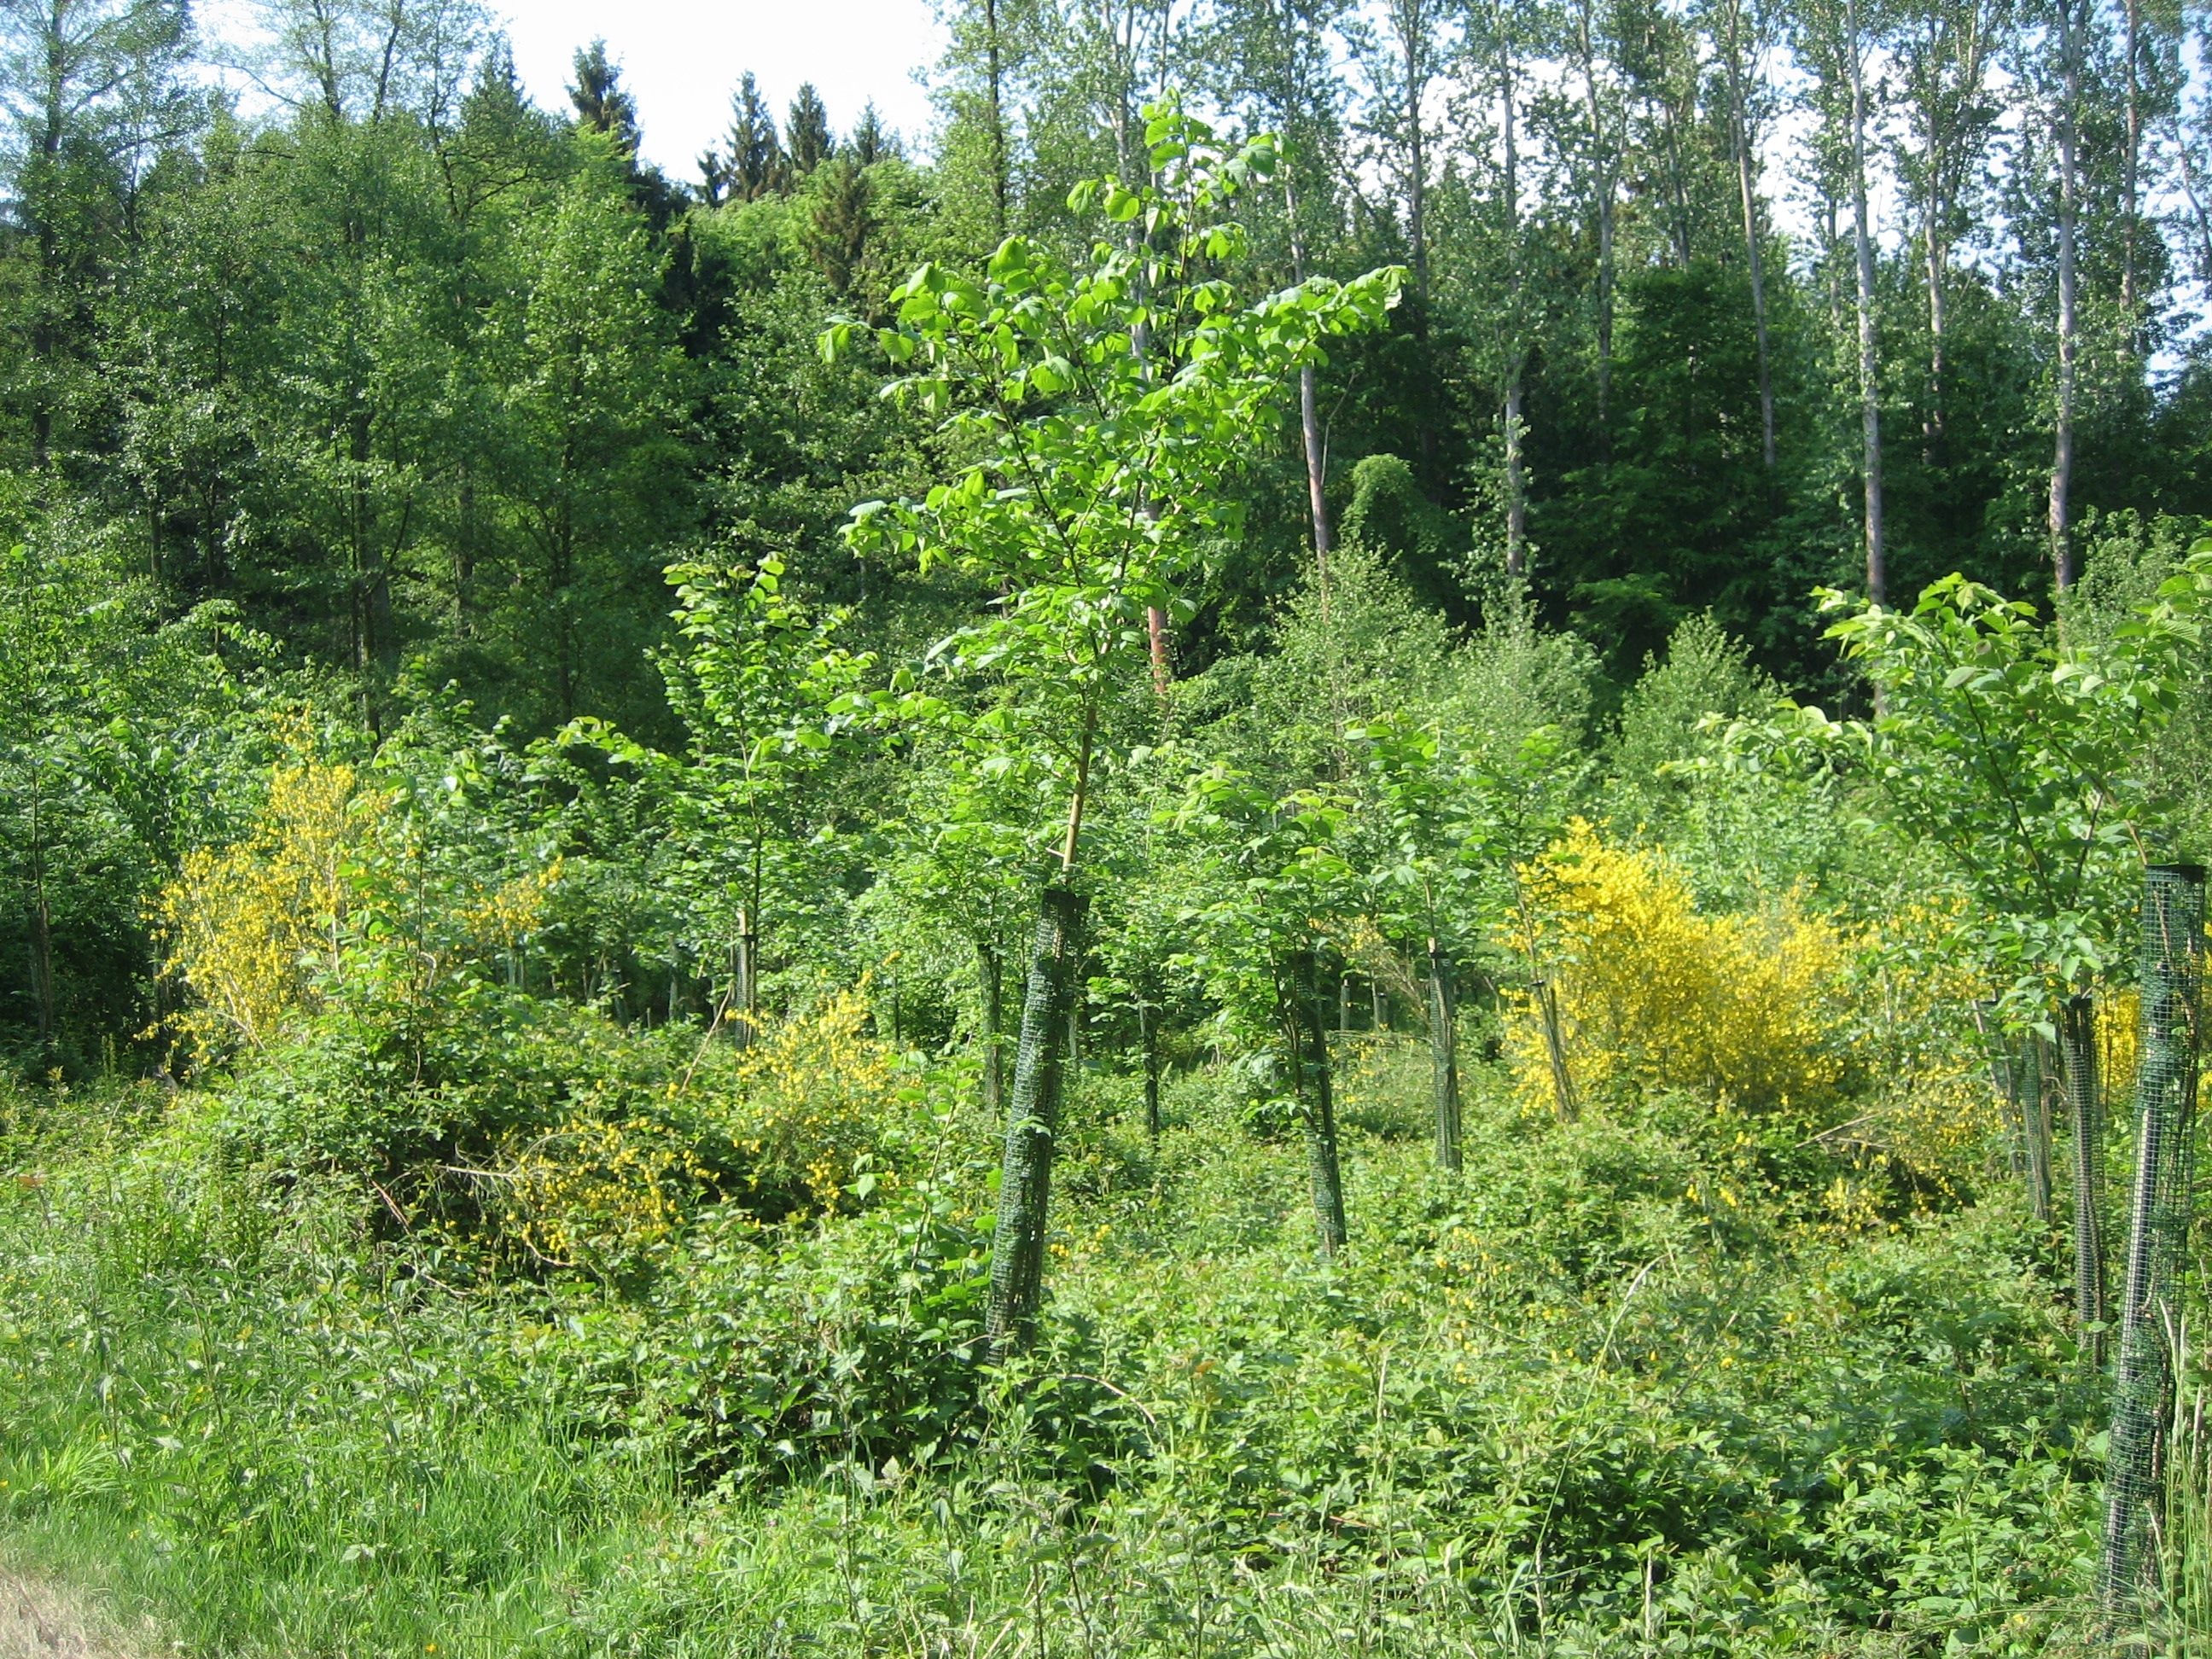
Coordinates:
<point>1333,838</point>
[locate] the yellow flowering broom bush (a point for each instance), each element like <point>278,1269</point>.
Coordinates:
<point>252,925</point>
<point>326,891</point>
<point>599,1192</point>
<point>799,1118</point>
<point>1654,995</point>
<point>790,1127</point>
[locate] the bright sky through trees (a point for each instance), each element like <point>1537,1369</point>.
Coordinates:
<point>681,58</point>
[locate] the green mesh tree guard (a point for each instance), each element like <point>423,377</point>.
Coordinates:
<point>1309,1032</point>
<point>2085,1112</point>
<point>2158,1223</point>
<point>1032,1121</point>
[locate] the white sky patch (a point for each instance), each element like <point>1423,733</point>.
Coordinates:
<point>681,59</point>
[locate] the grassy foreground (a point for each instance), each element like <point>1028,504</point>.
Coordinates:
<point>1626,1387</point>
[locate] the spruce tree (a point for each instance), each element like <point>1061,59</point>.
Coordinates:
<point>713,176</point>
<point>602,104</point>
<point>807,135</point>
<point>871,141</point>
<point>756,166</point>
<point>844,220</point>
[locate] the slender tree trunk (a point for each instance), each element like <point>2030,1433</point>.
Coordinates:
<point>1148,1038</point>
<point>744,993</point>
<point>1308,409</point>
<point>1417,155</point>
<point>2195,195</point>
<point>1869,366</point>
<point>2077,1053</point>
<point>1309,1045</point>
<point>990,973</point>
<point>1443,1055</point>
<point>1739,126</point>
<point>2131,164</point>
<point>1516,482</point>
<point>1563,1100</point>
<point>1686,223</point>
<point>1516,477</point>
<point>2062,459</point>
<point>996,69</point>
<point>1018,1246</point>
<point>2032,1071</point>
<point>1602,186</point>
<point>1931,429</point>
<point>1605,282</point>
<point>1998,1050</point>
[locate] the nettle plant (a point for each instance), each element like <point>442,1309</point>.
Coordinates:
<point>1104,411</point>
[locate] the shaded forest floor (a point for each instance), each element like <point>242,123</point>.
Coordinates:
<point>1630,1386</point>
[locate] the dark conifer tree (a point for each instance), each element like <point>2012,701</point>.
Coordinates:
<point>713,176</point>
<point>756,161</point>
<point>871,141</point>
<point>807,135</point>
<point>844,221</point>
<point>602,103</point>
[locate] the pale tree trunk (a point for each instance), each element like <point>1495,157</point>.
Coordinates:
<point>2062,459</point>
<point>1869,365</point>
<point>1740,132</point>
<point>1948,83</point>
<point>2193,191</point>
<point>997,70</point>
<point>1309,411</point>
<point>1931,429</point>
<point>2131,164</point>
<point>1517,479</point>
<point>1601,161</point>
<point>1417,156</point>
<point>1516,482</point>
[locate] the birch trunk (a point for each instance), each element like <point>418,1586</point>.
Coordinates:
<point>1869,366</point>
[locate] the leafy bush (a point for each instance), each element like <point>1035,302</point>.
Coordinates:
<point>335,893</point>
<point>531,1136</point>
<point>1654,995</point>
<point>252,925</point>
<point>795,1125</point>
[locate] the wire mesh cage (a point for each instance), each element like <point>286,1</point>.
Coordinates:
<point>2172,921</point>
